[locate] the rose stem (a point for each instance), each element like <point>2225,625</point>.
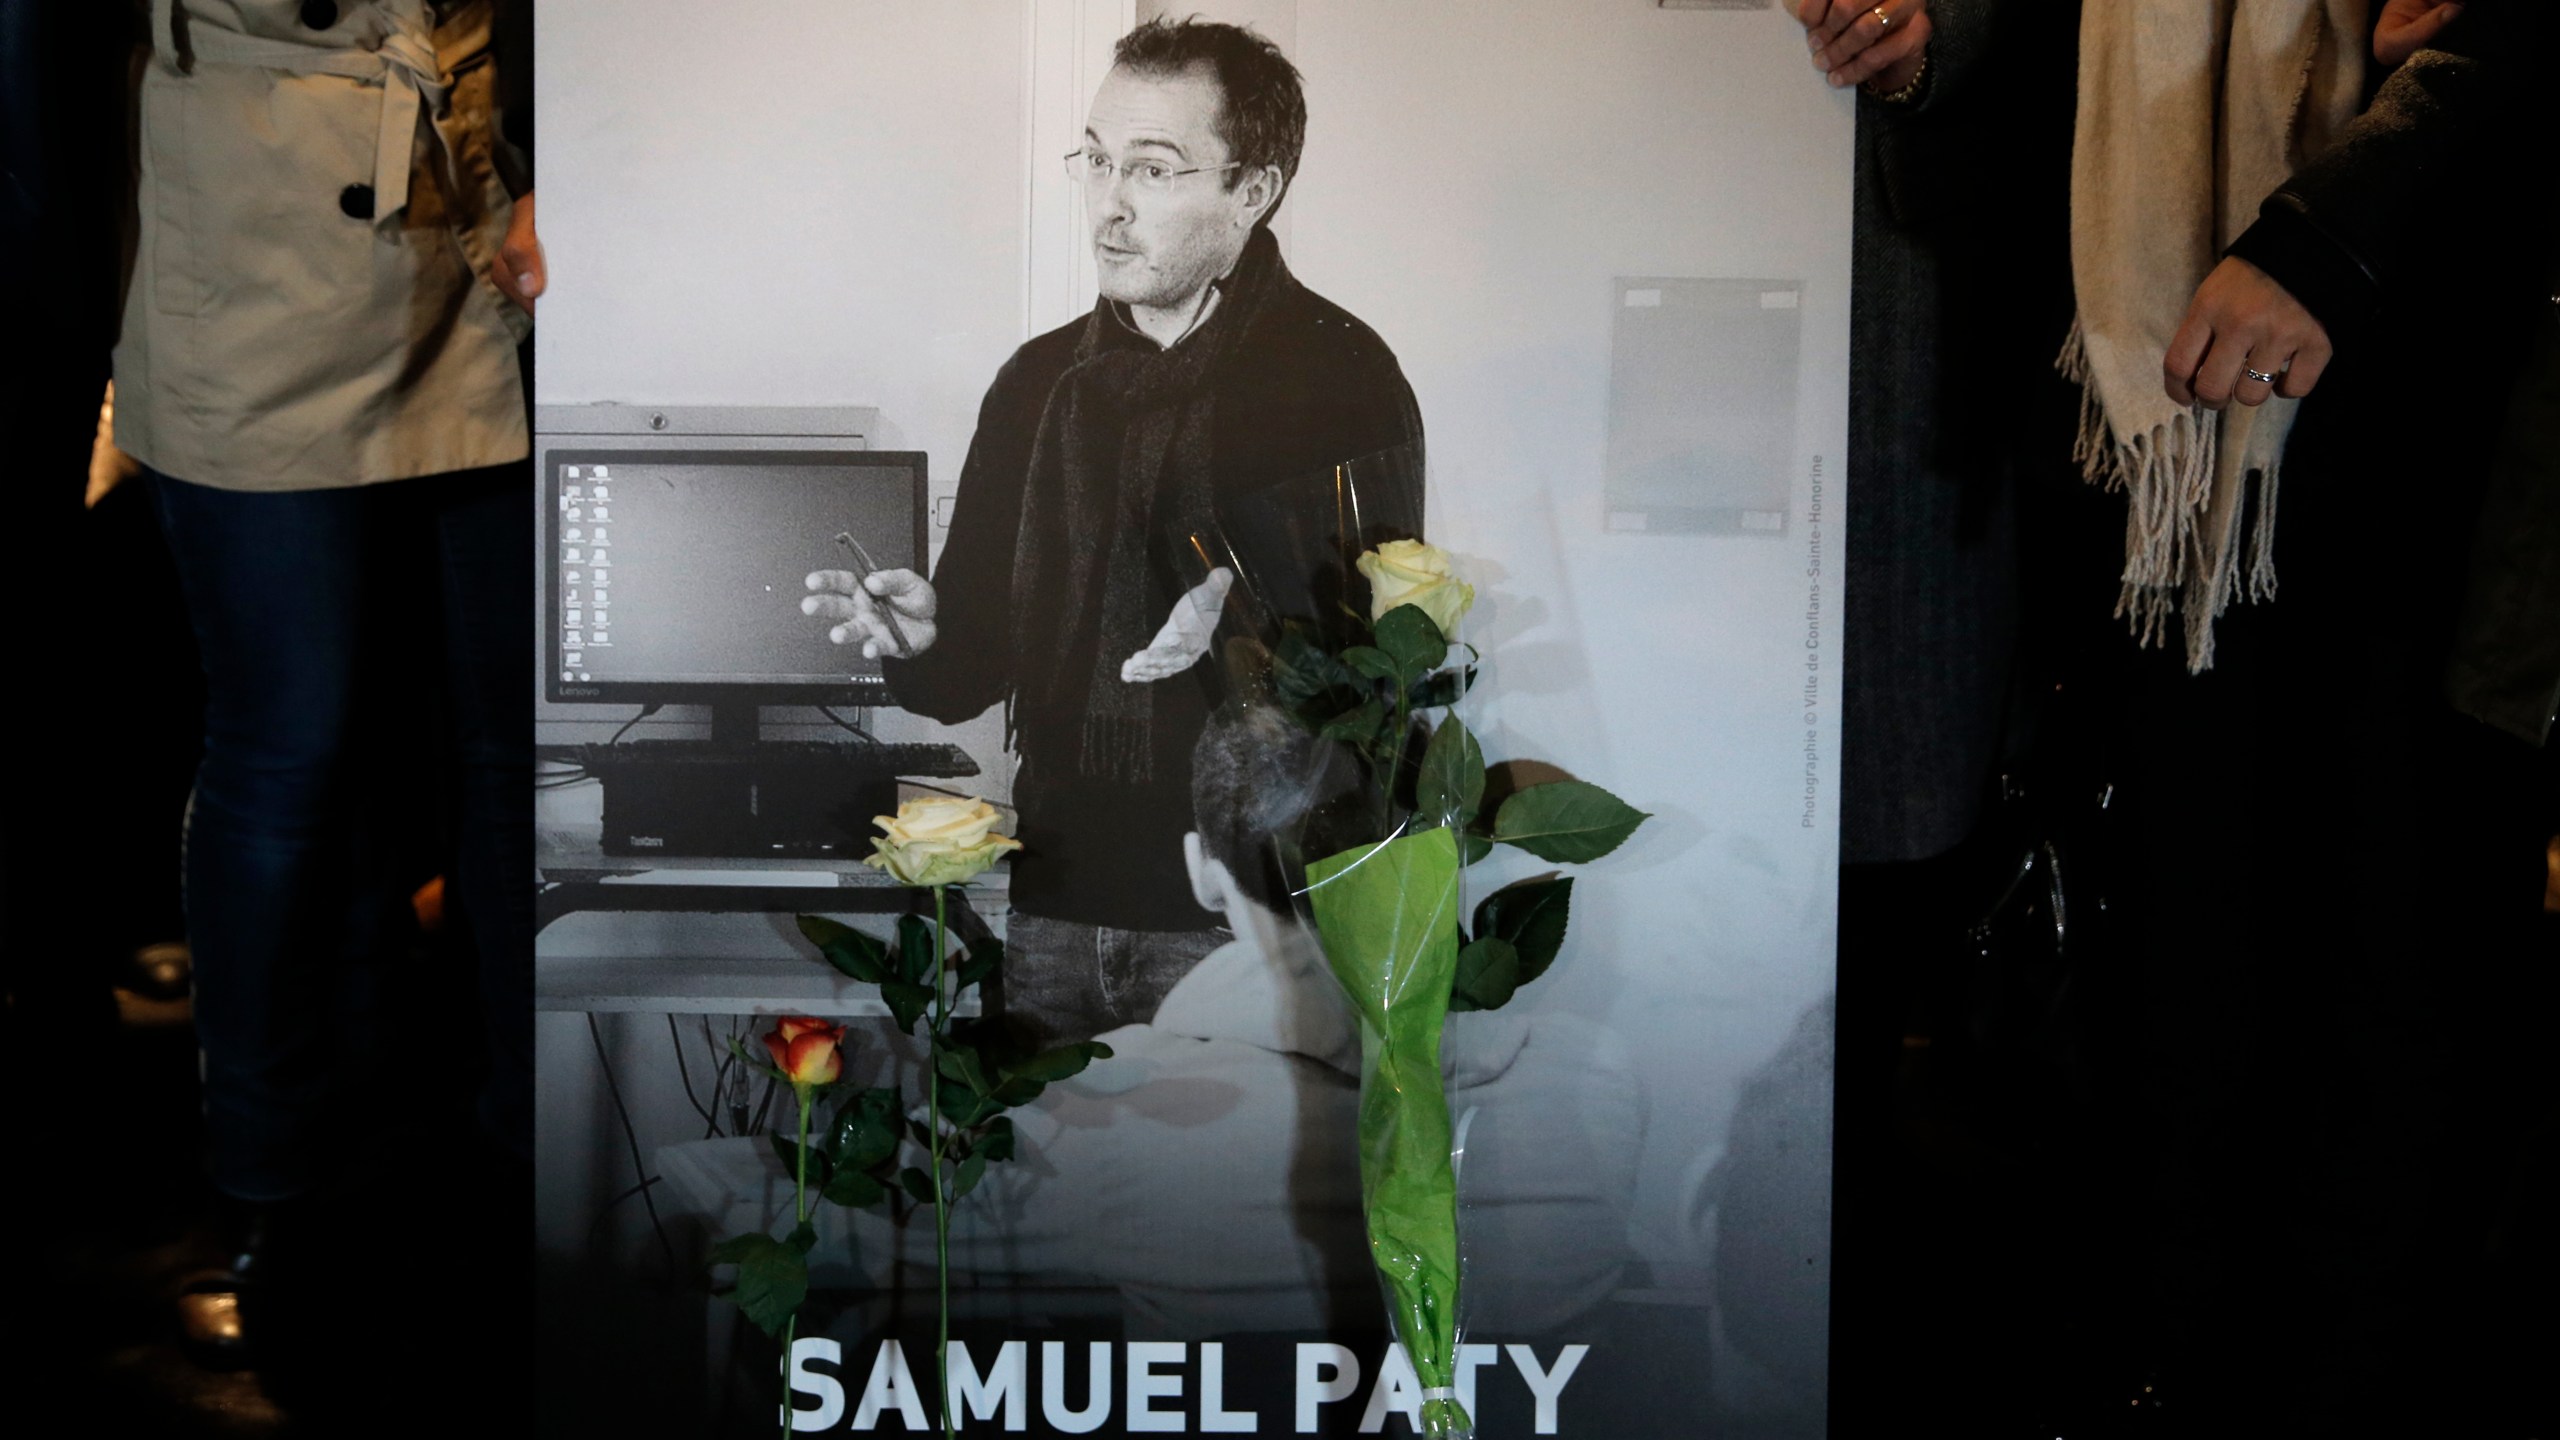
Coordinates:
<point>799,1217</point>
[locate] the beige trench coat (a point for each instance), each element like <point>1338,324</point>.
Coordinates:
<point>310,305</point>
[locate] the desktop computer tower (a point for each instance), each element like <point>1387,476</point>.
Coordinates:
<point>794,802</point>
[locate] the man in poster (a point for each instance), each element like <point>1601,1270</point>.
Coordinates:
<point>1205,376</point>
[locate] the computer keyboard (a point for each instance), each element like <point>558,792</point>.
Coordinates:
<point>925,760</point>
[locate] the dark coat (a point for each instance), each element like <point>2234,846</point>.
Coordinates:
<point>2371,238</point>
<point>1961,294</point>
<point>1307,388</point>
<point>2505,668</point>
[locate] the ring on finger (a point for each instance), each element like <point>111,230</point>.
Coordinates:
<point>2263,377</point>
<point>1883,20</point>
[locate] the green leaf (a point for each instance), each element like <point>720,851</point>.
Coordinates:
<point>773,1278</point>
<point>917,1183</point>
<point>972,1170</point>
<point>1473,845</point>
<point>1451,785</point>
<point>1488,971</point>
<point>1375,663</point>
<point>986,956</point>
<point>959,1063</point>
<point>921,1133</point>
<point>1446,688</point>
<point>997,1142</point>
<point>1531,915</point>
<point>855,1190</point>
<point>803,1238</point>
<point>907,1002</point>
<point>866,1130</point>
<point>789,1150</point>
<point>1302,673</point>
<point>1568,822</point>
<point>1015,1091</point>
<point>1408,635</point>
<point>916,959</point>
<point>1050,1066</point>
<point>858,955</point>
<point>965,1108</point>
<point>1356,726</point>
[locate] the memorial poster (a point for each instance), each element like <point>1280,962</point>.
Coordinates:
<point>1605,243</point>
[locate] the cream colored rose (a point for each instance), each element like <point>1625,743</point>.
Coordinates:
<point>938,840</point>
<point>1408,572</point>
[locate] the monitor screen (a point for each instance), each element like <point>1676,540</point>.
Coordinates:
<point>676,576</point>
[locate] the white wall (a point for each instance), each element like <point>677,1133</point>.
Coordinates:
<point>795,205</point>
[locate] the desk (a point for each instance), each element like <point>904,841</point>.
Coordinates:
<point>574,875</point>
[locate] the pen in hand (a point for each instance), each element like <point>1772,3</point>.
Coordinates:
<point>862,572</point>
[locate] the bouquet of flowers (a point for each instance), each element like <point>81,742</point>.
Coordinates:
<point>1379,683</point>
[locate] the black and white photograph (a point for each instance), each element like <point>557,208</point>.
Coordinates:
<point>1170,318</point>
<point>1761,719</point>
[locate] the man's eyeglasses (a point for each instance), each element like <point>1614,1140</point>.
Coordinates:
<point>1092,167</point>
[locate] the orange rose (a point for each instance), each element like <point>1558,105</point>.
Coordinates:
<point>805,1049</point>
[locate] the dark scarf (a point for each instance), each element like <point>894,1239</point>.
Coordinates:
<point>1123,454</point>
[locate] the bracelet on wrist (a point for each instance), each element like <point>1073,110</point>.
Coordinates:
<point>1909,90</point>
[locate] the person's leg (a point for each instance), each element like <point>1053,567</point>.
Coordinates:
<point>1138,968</point>
<point>273,584</point>
<point>484,530</point>
<point>1052,981</point>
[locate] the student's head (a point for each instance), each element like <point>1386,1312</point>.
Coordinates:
<point>1255,775</point>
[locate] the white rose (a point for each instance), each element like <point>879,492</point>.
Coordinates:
<point>938,840</point>
<point>1409,572</point>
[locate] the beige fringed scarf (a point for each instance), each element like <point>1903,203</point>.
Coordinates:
<point>2191,112</point>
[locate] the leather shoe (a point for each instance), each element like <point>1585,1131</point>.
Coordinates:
<point>226,1313</point>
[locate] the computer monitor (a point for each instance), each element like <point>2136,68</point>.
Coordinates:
<point>676,576</point>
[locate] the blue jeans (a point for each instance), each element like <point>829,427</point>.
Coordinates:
<point>286,893</point>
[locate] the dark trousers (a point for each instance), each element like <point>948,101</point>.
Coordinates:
<point>1066,981</point>
<point>310,666</point>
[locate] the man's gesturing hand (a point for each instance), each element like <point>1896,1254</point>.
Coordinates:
<point>863,608</point>
<point>1856,40</point>
<point>1185,636</point>
<point>2241,321</point>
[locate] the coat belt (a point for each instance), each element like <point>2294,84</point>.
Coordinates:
<point>404,65</point>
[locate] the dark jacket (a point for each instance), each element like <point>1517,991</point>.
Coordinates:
<point>2505,668</point>
<point>2364,238</point>
<point>1961,290</point>
<point>1307,388</point>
